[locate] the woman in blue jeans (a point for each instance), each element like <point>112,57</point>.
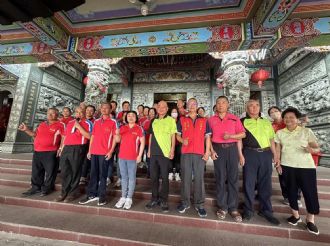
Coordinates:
<point>130,153</point>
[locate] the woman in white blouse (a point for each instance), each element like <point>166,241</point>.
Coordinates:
<point>295,146</point>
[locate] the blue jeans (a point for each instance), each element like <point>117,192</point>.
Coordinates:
<point>99,173</point>
<point>128,177</point>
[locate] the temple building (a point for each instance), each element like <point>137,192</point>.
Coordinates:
<point>145,51</point>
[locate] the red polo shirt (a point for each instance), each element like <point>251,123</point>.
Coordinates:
<point>194,131</point>
<point>146,126</point>
<point>73,135</point>
<point>48,136</point>
<point>278,126</point>
<point>103,133</point>
<point>230,124</point>
<point>129,147</point>
<point>66,120</point>
<point>142,120</point>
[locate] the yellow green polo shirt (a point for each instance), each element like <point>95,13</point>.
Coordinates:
<point>162,130</point>
<point>292,143</point>
<point>259,132</point>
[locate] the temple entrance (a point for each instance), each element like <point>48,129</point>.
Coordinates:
<point>6,101</point>
<point>170,98</point>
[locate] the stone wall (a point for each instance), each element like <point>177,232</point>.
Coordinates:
<point>37,89</point>
<point>304,84</point>
<point>143,93</point>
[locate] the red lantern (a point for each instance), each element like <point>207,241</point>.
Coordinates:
<point>85,80</point>
<point>260,76</point>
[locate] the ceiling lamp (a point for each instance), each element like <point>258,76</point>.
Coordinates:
<point>144,5</point>
<point>144,9</point>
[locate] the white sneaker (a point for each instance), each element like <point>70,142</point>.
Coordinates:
<point>121,202</point>
<point>177,177</point>
<point>170,176</point>
<point>118,183</point>
<point>128,203</point>
<point>300,205</point>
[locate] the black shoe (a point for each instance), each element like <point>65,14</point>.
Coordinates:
<point>31,192</point>
<point>88,199</point>
<point>182,208</point>
<point>293,220</point>
<point>150,205</point>
<point>102,201</point>
<point>270,218</point>
<point>311,227</point>
<point>164,207</point>
<point>44,193</point>
<point>247,217</point>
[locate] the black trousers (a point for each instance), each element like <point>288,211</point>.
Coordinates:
<point>175,163</point>
<point>71,164</point>
<point>99,173</point>
<point>284,187</point>
<point>257,173</point>
<point>305,179</point>
<point>226,169</point>
<point>44,170</point>
<point>86,167</point>
<point>159,166</point>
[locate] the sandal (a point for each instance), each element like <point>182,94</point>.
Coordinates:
<point>221,214</point>
<point>236,216</point>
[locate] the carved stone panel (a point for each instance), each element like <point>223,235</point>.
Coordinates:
<point>313,72</point>
<point>61,85</point>
<point>292,59</point>
<point>51,98</point>
<point>311,98</point>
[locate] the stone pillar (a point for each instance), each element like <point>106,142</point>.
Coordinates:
<point>100,76</point>
<point>13,141</point>
<point>98,81</point>
<point>236,79</point>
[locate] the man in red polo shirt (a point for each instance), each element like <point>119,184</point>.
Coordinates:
<point>227,130</point>
<point>180,105</point>
<point>47,139</point>
<point>125,108</point>
<point>73,149</point>
<point>66,115</point>
<point>90,112</point>
<point>101,148</point>
<point>193,132</point>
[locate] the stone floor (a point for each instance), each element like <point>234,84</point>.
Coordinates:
<point>12,239</point>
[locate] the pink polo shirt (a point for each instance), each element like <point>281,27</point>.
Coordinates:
<point>230,124</point>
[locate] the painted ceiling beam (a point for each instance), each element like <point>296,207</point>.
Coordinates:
<point>270,16</point>
<point>293,33</point>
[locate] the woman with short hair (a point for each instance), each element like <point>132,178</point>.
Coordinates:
<point>295,146</point>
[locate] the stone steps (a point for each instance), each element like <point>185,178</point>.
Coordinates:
<point>14,207</point>
<point>41,216</point>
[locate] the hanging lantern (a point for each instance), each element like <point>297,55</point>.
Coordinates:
<point>259,76</point>
<point>85,80</point>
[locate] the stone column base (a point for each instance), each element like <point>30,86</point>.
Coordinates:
<point>10,147</point>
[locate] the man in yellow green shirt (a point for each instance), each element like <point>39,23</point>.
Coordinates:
<point>161,152</point>
<point>259,153</point>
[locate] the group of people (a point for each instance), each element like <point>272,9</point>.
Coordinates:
<point>178,146</point>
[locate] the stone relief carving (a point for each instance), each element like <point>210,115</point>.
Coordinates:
<point>319,119</point>
<point>311,98</point>
<point>323,137</point>
<point>65,67</point>
<point>50,98</point>
<point>292,59</point>
<point>52,82</point>
<point>268,100</point>
<point>98,81</point>
<point>316,71</point>
<point>299,67</point>
<point>22,71</point>
<point>57,73</point>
